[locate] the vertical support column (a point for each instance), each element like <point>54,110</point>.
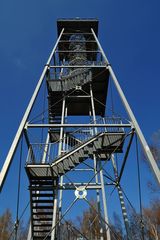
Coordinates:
<point>93,108</point>
<point>101,174</point>
<point>98,196</point>
<point>45,149</point>
<point>96,179</point>
<point>61,129</point>
<point>144,144</point>
<point>104,204</point>
<point>95,163</point>
<point>54,215</point>
<point>121,199</point>
<point>59,152</point>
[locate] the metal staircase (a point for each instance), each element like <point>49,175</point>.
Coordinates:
<point>42,201</point>
<point>56,88</point>
<point>44,176</point>
<point>67,83</point>
<point>101,144</point>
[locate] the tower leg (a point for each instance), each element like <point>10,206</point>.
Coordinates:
<point>121,199</point>
<point>101,174</point>
<point>98,197</point>
<point>15,142</point>
<point>144,144</point>
<point>45,149</point>
<point>96,179</point>
<point>105,205</point>
<point>53,233</point>
<point>61,178</point>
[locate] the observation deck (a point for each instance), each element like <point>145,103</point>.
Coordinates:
<point>77,25</point>
<point>81,67</point>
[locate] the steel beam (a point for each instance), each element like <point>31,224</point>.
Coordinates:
<point>45,149</point>
<point>60,148</point>
<point>78,125</point>
<point>74,186</point>
<point>54,215</point>
<point>95,164</point>
<point>68,51</point>
<point>105,204</point>
<point>93,186</point>
<point>125,157</point>
<point>78,66</point>
<point>15,142</point>
<point>140,135</point>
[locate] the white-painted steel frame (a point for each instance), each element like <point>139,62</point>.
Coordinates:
<point>105,205</point>
<point>15,142</point>
<point>96,125</point>
<point>95,165</point>
<point>59,153</point>
<point>24,124</point>
<point>108,235</point>
<point>140,135</point>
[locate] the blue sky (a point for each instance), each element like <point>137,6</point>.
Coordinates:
<point>129,32</point>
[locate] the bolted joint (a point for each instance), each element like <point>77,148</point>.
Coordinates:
<point>16,224</point>
<point>108,65</point>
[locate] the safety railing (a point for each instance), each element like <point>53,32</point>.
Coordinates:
<point>68,82</point>
<point>42,153</point>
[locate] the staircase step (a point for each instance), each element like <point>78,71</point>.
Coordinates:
<point>97,145</point>
<point>42,219</point>
<point>81,152</point>
<point>66,164</point>
<point>91,149</point>
<point>71,164</point>
<point>75,159</point>
<point>41,188</point>
<point>40,231</point>
<point>60,167</point>
<point>43,213</point>
<point>42,185</point>
<point>45,181</point>
<point>42,207</point>
<point>42,225</point>
<point>55,171</point>
<point>42,237</point>
<point>42,195</point>
<point>42,201</point>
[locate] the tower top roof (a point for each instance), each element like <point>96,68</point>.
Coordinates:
<point>75,25</point>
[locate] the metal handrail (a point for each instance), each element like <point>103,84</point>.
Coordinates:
<point>71,140</point>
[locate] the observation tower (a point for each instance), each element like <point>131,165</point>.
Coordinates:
<point>67,166</point>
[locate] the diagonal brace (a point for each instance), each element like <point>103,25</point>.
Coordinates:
<point>125,157</point>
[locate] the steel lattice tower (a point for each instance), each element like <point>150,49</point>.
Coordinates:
<point>80,140</point>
